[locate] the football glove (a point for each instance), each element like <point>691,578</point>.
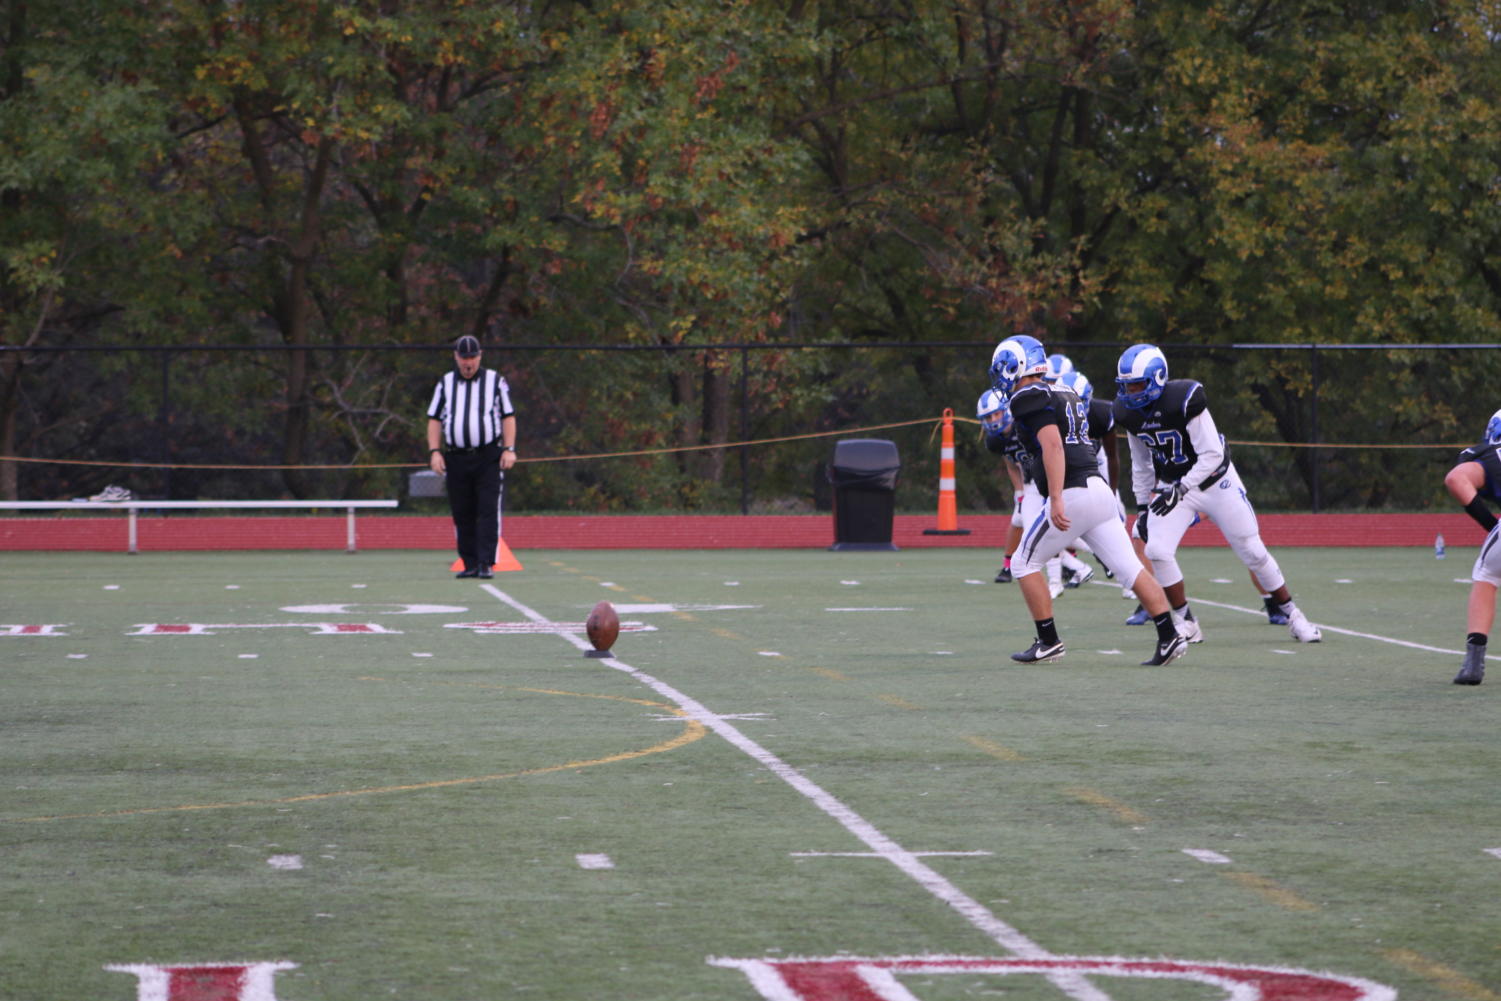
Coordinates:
<point>1141,522</point>
<point>1169,498</point>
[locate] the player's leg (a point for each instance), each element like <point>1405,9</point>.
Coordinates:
<point>1013,539</point>
<point>1075,571</point>
<point>1109,541</point>
<point>1229,507</point>
<point>1041,544</point>
<point>1164,534</point>
<point>1481,613</point>
<point>1274,615</point>
<point>1140,616</point>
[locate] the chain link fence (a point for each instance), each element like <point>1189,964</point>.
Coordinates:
<point>740,427</point>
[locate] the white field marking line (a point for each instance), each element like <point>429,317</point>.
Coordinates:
<point>589,860</point>
<point>1493,851</point>
<point>1074,985</point>
<point>867,609</point>
<point>875,855</point>
<point>1205,855</point>
<point>1343,632</point>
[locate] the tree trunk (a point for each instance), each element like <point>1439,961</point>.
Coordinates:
<point>297,310</point>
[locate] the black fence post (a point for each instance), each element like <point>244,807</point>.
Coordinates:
<point>744,431</point>
<point>164,418</point>
<point>1313,437</point>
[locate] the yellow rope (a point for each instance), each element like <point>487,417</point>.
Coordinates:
<point>423,465</point>
<point>935,421</point>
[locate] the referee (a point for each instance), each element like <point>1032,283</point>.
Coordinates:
<point>471,438</point>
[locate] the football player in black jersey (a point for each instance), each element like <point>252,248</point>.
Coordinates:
<point>998,435</point>
<point>1053,425</point>
<point>1475,479</point>
<point>1000,439</point>
<point>1180,470</point>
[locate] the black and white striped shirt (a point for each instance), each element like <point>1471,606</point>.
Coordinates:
<point>471,409</point>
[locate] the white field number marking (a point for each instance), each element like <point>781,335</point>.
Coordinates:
<point>588,861</point>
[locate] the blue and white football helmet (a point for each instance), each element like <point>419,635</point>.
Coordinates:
<point>1058,365</point>
<point>1493,428</point>
<point>1079,383</point>
<point>1014,358</point>
<point>1141,363</point>
<point>994,414</point>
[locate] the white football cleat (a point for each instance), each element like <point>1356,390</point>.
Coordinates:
<point>1055,587</point>
<point>1188,627</point>
<point>1303,631</point>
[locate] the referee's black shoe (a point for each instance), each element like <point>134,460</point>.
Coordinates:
<point>484,573</point>
<point>468,572</point>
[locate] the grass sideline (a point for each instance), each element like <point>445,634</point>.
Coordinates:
<point>410,812</point>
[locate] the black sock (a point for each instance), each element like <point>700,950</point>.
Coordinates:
<point>1165,628</point>
<point>1477,639</point>
<point>1047,631</point>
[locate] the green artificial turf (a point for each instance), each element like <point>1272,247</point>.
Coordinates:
<point>438,784</point>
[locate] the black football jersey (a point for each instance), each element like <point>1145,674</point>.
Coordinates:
<point>1486,454</point>
<point>1037,405</point>
<point>1008,445</point>
<point>1101,421</point>
<point>1162,427</point>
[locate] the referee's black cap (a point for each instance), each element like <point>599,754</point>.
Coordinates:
<point>467,346</point>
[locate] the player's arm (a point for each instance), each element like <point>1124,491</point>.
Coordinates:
<point>1112,460</point>
<point>1463,483</point>
<point>1143,473</point>
<point>1209,447</point>
<point>1014,474</point>
<point>1052,461</point>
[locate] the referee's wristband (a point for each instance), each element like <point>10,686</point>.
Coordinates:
<point>433,451</point>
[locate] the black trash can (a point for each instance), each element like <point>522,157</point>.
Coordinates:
<point>863,475</point>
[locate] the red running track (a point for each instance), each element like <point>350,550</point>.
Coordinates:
<point>109,533</point>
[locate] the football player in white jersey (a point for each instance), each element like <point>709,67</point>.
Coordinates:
<point>1180,470</point>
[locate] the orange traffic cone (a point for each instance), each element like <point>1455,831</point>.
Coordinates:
<point>948,507</point>
<point>504,559</point>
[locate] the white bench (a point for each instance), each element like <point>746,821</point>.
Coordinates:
<point>132,506</point>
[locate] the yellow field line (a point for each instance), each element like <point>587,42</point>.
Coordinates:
<point>995,750</point>
<point>692,730</point>
<point>1121,811</point>
<point>1271,891</point>
<point>1449,979</point>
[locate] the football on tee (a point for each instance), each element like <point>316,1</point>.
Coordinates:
<point>603,626</point>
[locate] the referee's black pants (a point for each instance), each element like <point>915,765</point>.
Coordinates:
<point>473,482</point>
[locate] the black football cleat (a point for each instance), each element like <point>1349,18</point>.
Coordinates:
<point>468,572</point>
<point>1038,653</point>
<point>484,573</point>
<point>1004,577</point>
<point>1473,670</point>
<point>1167,652</point>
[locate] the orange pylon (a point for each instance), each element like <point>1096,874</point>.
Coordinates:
<point>504,559</point>
<point>948,507</point>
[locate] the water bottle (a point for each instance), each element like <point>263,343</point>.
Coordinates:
<point>1438,547</point>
